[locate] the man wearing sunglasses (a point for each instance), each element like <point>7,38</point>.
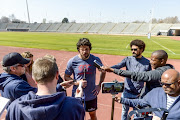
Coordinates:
<point>136,62</point>
<point>167,96</point>
<point>11,85</point>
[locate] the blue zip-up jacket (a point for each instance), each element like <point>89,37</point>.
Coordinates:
<point>13,87</point>
<point>156,98</point>
<point>48,107</point>
<point>134,64</point>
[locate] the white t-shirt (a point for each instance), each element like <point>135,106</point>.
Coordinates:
<point>170,101</point>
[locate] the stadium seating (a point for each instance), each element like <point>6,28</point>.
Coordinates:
<point>131,28</point>
<point>96,27</point>
<point>118,28</point>
<point>159,27</point>
<point>23,26</point>
<point>33,26</point>
<point>12,25</point>
<point>175,25</point>
<point>54,27</point>
<point>43,27</point>
<point>64,27</point>
<point>144,29</point>
<point>74,28</point>
<point>85,27</point>
<point>3,26</point>
<point>106,28</point>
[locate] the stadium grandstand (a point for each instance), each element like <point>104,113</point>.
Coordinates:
<point>96,28</point>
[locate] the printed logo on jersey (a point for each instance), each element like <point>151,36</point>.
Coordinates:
<point>86,67</point>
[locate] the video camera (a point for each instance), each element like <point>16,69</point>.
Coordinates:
<point>112,87</point>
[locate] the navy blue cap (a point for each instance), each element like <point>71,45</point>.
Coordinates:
<point>14,58</point>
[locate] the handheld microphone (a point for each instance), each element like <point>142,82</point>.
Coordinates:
<point>80,85</point>
<point>97,64</point>
<point>84,71</point>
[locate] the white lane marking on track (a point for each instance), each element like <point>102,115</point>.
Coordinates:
<point>127,46</point>
<point>104,62</point>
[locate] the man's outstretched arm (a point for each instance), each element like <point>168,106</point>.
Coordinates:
<point>136,76</point>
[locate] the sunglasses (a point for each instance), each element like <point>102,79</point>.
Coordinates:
<point>19,65</point>
<point>134,49</point>
<point>167,84</point>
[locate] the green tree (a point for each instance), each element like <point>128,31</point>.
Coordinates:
<point>65,20</point>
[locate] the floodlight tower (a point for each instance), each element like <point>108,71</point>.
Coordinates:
<point>150,24</point>
<point>28,11</point>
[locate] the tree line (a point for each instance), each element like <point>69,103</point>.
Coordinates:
<point>13,19</point>
<point>171,20</point>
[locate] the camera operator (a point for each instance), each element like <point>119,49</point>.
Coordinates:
<point>167,96</point>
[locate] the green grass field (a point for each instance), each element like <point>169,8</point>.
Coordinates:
<point>103,44</point>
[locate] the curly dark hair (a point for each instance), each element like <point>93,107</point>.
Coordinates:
<point>138,43</point>
<point>82,42</point>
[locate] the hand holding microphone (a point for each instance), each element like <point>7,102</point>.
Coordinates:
<point>82,84</point>
<point>79,90</point>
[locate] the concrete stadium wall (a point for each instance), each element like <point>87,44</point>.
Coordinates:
<point>74,28</point>
<point>43,27</point>
<point>64,27</point>
<point>118,28</point>
<point>131,28</point>
<point>85,27</point>
<point>34,26</point>
<point>54,27</point>
<point>97,28</point>
<point>3,26</point>
<point>12,25</point>
<point>144,29</point>
<point>159,27</point>
<point>23,26</point>
<point>106,28</point>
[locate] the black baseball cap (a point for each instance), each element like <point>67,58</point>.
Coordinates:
<point>14,58</point>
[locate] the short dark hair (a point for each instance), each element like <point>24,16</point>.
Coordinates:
<point>83,42</point>
<point>161,54</point>
<point>44,70</point>
<point>138,43</point>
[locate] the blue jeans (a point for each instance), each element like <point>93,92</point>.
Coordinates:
<point>125,108</point>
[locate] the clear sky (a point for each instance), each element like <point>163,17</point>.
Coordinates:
<point>90,10</point>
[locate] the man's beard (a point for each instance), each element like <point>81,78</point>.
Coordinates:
<point>84,57</point>
<point>135,55</point>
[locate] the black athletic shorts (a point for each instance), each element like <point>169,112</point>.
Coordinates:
<point>91,105</point>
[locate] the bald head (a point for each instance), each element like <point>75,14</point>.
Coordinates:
<point>170,80</point>
<point>161,54</point>
<point>171,75</point>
